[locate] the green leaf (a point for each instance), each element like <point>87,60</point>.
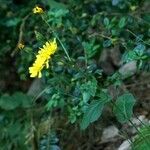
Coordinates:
<point>90,48</point>
<point>115,2</point>
<point>122,22</point>
<point>130,56</point>
<point>25,100</point>
<point>40,37</point>
<point>18,99</point>
<point>136,54</point>
<point>54,4</point>
<point>86,96</point>
<point>106,21</point>
<point>7,102</point>
<point>139,49</point>
<point>94,110</point>
<point>92,113</point>
<point>14,129</point>
<point>104,96</point>
<point>107,43</point>
<point>142,141</point>
<point>55,16</point>
<point>54,147</point>
<point>123,108</point>
<point>12,22</point>
<point>88,89</point>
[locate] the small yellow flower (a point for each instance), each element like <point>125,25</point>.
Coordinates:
<point>42,58</point>
<point>37,10</point>
<point>20,45</point>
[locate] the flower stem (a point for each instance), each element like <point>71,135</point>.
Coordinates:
<point>65,50</point>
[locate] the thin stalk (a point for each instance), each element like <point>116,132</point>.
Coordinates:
<point>136,36</point>
<point>125,135</point>
<point>65,50</point>
<point>40,94</point>
<point>139,120</point>
<point>139,132</point>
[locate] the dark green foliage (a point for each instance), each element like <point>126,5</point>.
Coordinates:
<point>14,123</point>
<point>14,101</point>
<point>75,87</point>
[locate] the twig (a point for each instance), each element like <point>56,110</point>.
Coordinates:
<point>20,34</point>
<point>65,50</point>
<point>136,36</point>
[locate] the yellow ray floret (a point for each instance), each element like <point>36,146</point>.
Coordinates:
<point>37,10</point>
<point>20,45</point>
<point>42,58</point>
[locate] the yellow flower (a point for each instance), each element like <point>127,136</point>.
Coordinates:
<point>20,45</point>
<point>42,58</point>
<point>37,10</point>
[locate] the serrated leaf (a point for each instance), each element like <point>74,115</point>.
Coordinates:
<point>123,108</point>
<point>92,113</point>
<point>94,110</point>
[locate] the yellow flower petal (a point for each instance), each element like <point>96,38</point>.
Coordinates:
<point>42,58</point>
<point>20,45</point>
<point>37,10</point>
<point>39,75</point>
<point>47,65</point>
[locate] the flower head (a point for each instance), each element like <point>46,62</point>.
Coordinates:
<point>37,10</point>
<point>20,45</point>
<point>42,58</point>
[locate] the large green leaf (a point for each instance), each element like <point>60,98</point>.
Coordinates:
<point>123,108</point>
<point>18,99</point>
<point>92,113</point>
<point>25,100</point>
<point>94,110</point>
<point>7,103</point>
